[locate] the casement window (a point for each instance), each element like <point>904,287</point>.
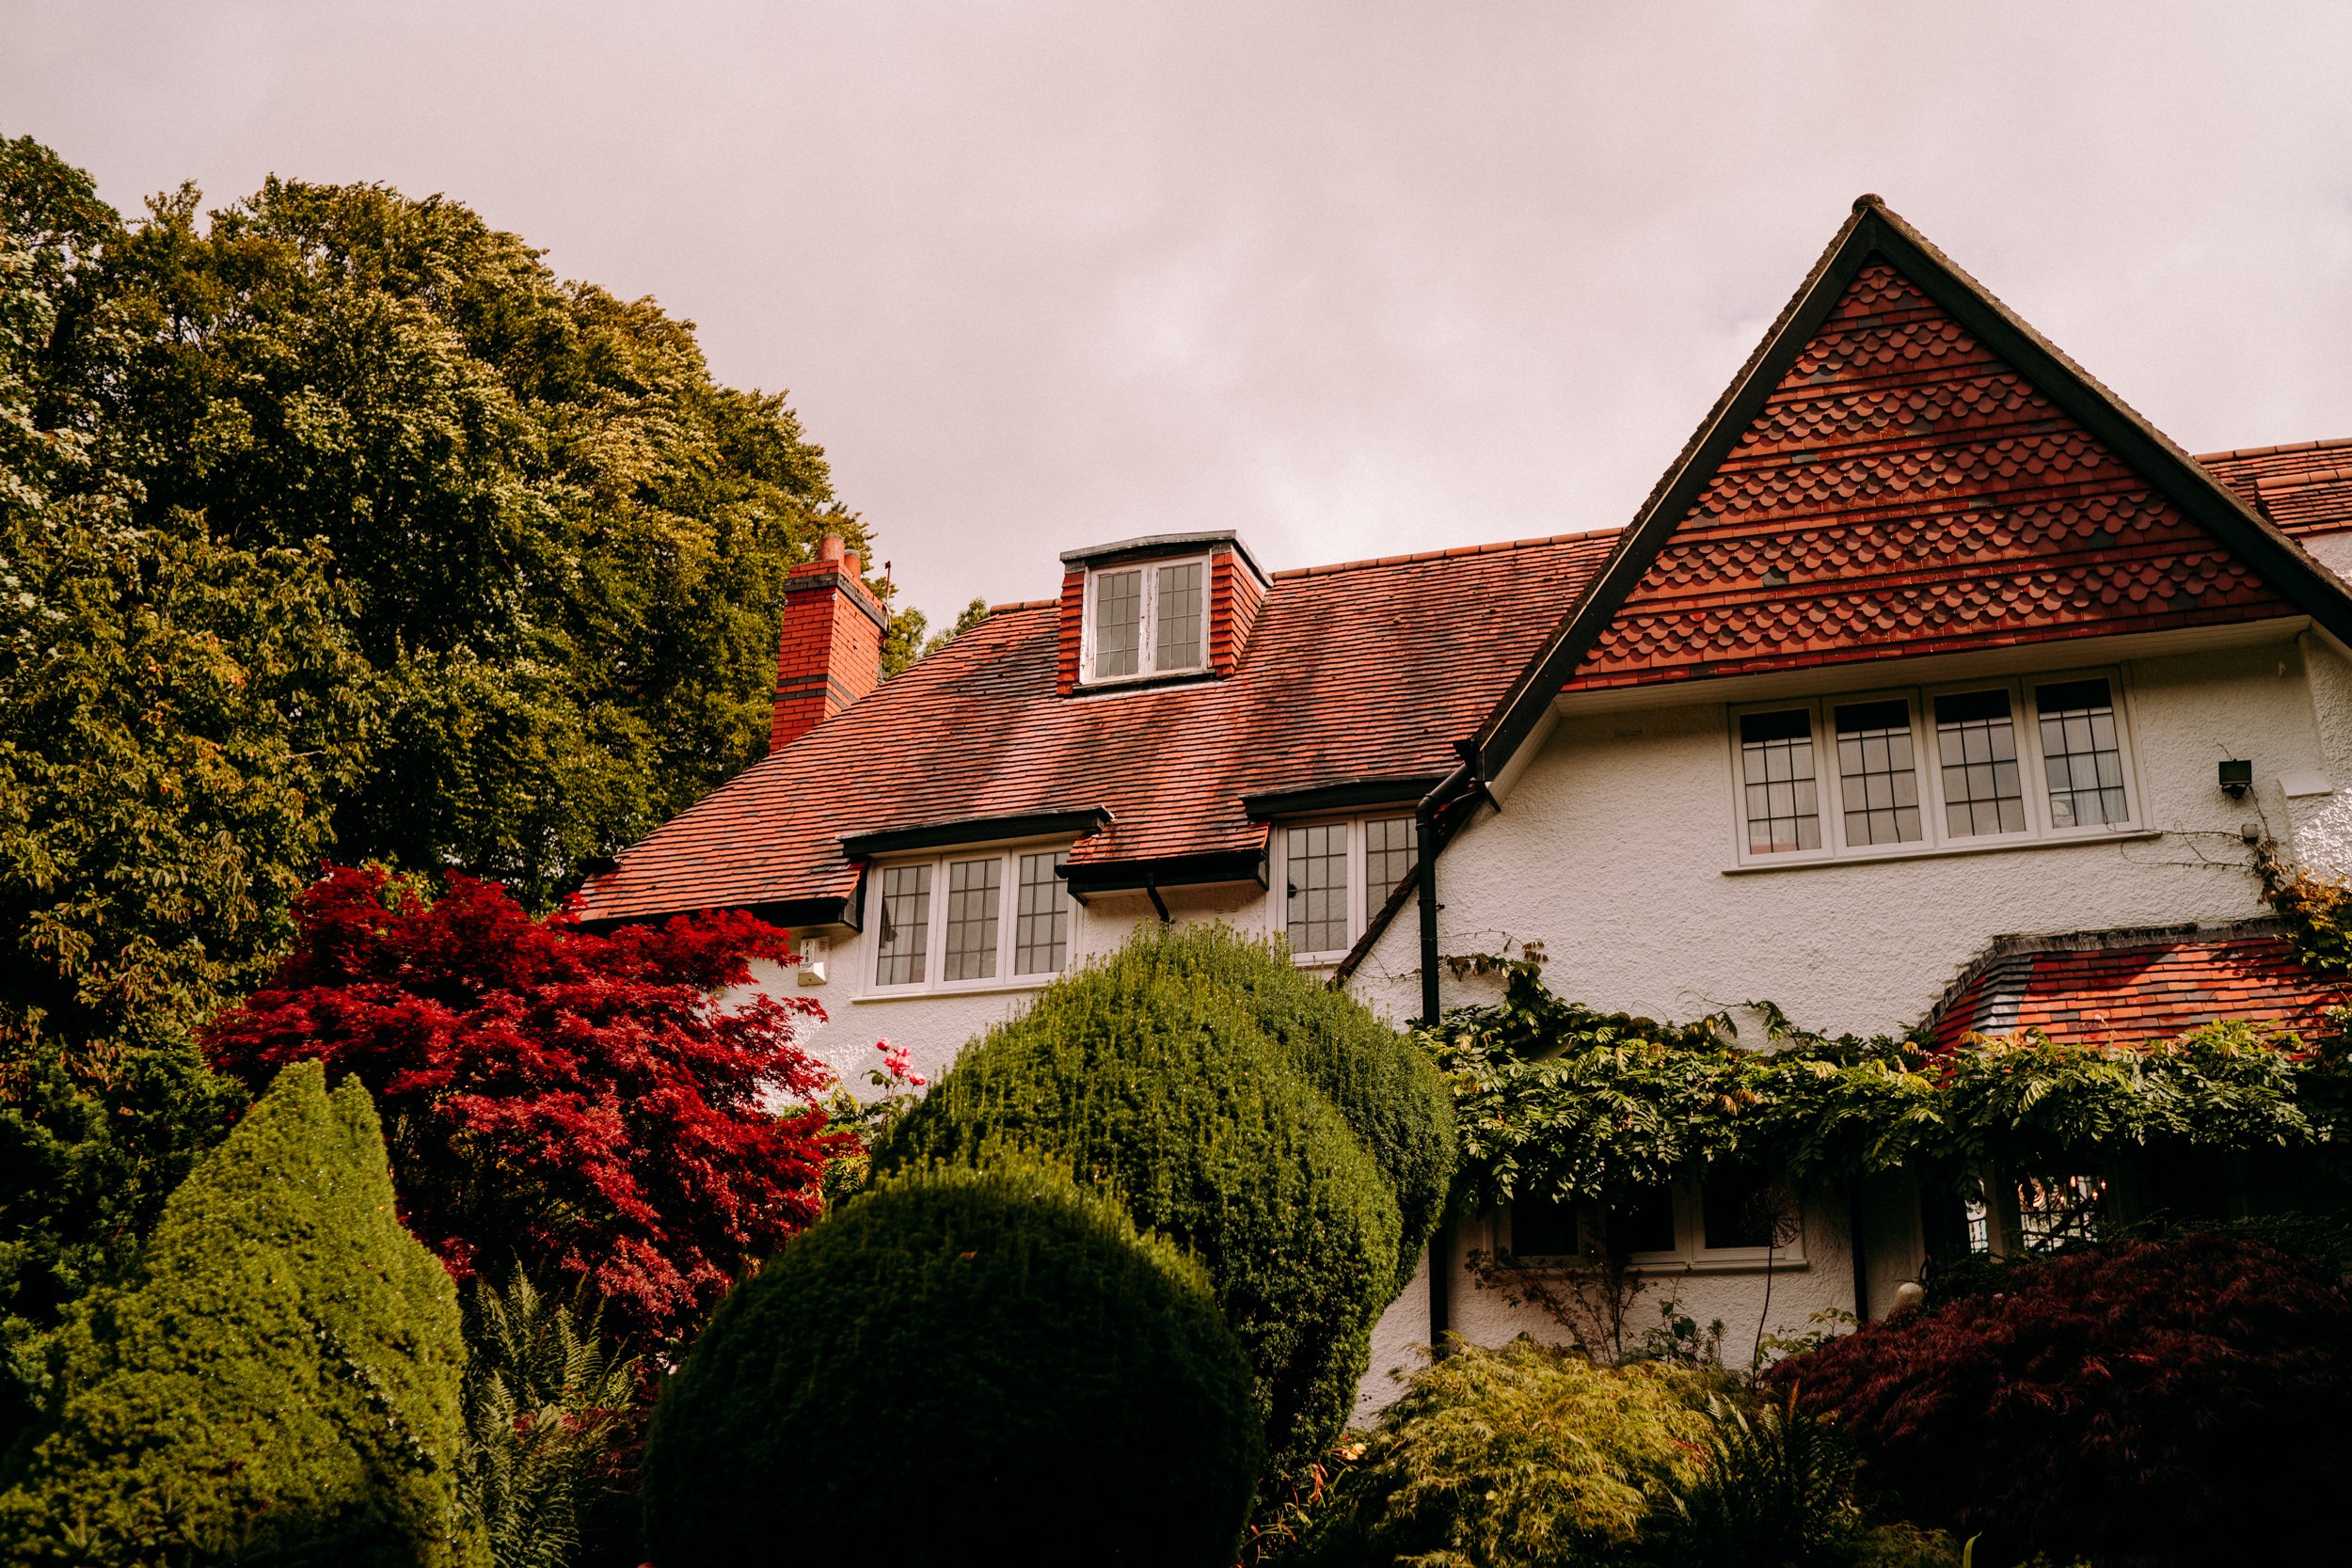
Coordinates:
<point>1729,1216</point>
<point>1335,876</point>
<point>1969,765</point>
<point>1145,619</point>
<point>971,918</point>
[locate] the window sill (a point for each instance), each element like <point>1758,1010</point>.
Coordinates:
<point>1703,1267</point>
<point>943,993</point>
<point>1942,851</point>
<point>1140,683</point>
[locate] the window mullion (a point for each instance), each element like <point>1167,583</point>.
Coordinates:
<point>1149,628</point>
<point>1008,913</point>
<point>935,972</point>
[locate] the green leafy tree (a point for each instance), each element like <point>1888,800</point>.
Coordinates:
<point>277,1382</point>
<point>566,543</point>
<point>329,521</point>
<point>175,714</point>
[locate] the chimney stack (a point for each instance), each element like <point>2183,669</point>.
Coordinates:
<point>830,652</point>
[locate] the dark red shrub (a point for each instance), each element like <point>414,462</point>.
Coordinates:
<point>2151,1404</point>
<point>577,1102</point>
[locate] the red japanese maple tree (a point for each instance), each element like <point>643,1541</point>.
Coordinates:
<point>580,1102</point>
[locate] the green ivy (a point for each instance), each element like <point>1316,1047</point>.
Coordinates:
<point>1555,1099</point>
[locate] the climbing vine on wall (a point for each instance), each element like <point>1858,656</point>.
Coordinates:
<point>1554,1099</point>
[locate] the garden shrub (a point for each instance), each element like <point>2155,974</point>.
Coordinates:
<point>959,1367</point>
<point>2142,1405</point>
<point>1166,1093</point>
<point>1526,1455</point>
<point>547,1402</point>
<point>278,1381</point>
<point>1775,1490</point>
<point>1389,1090</point>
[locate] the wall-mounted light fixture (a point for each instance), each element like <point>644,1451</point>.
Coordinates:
<point>2236,779</point>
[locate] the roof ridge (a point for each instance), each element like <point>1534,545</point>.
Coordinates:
<point>2338,443</point>
<point>1457,550</point>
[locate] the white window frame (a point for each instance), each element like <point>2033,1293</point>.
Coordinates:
<point>1148,625</point>
<point>1936,839</point>
<point>1360,904</point>
<point>935,929</point>
<point>1689,1255</point>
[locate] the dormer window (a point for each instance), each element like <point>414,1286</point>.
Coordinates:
<point>1147,619</point>
<point>1166,607</point>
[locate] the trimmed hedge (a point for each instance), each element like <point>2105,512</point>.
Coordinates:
<point>1387,1088</point>
<point>950,1356</point>
<point>277,1382</point>
<point>1165,1092</point>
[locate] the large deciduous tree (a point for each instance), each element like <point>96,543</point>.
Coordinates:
<point>581,1103</point>
<point>330,521</point>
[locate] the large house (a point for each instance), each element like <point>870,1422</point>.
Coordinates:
<point>1930,684</point>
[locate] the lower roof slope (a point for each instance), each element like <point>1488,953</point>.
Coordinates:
<point>1369,671</point>
<point>2128,987</point>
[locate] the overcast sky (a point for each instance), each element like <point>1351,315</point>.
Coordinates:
<point>1354,279</point>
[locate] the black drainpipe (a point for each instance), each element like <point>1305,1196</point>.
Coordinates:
<point>1151,886</point>
<point>1426,869</point>
<point>1861,1260</point>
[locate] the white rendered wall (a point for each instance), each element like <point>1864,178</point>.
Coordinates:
<point>933,1027</point>
<point>1612,851</point>
<point>1615,850</point>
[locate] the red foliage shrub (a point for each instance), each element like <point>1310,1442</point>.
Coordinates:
<point>576,1102</point>
<point>2150,1403</point>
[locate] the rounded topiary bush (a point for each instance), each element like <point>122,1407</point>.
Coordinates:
<point>2149,1404</point>
<point>954,1368</point>
<point>1389,1091</point>
<point>1163,1092</point>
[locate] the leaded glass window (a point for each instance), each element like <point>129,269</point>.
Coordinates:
<point>906,924</point>
<point>974,890</point>
<point>1317,860</point>
<point>1878,779</point>
<point>2080,754</point>
<point>1975,744</point>
<point>1176,623</point>
<point>1388,859</point>
<point>1118,623</point>
<point>1784,810</point>
<point>1041,933</point>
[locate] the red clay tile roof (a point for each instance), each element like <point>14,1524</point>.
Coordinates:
<point>2127,988</point>
<point>1905,491</point>
<point>1373,669</point>
<point>2305,488</point>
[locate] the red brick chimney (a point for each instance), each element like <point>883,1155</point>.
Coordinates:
<point>830,652</point>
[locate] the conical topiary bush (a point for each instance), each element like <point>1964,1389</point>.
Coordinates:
<point>277,1382</point>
